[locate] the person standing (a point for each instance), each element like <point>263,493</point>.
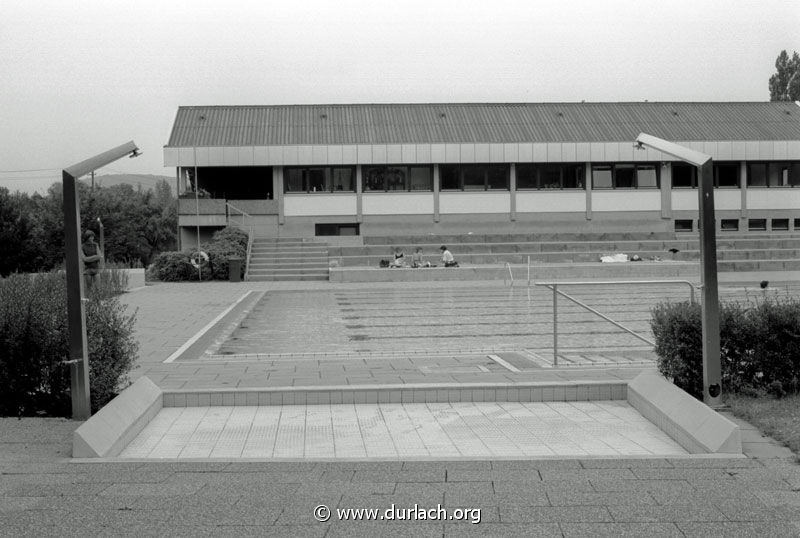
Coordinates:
<point>92,256</point>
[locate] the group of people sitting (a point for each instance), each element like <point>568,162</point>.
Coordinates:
<point>417,261</point>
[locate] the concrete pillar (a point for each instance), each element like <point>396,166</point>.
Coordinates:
<point>512,191</point>
<point>436,190</point>
<point>277,188</point>
<point>588,183</point>
<point>743,213</point>
<point>666,190</point>
<point>359,194</point>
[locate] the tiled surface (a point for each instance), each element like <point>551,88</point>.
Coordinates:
<point>568,391</point>
<point>397,431</point>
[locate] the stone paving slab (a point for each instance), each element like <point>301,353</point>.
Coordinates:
<point>398,431</point>
<point>578,497</point>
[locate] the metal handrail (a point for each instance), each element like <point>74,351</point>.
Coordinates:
<point>248,225</point>
<point>554,286</point>
<point>510,275</point>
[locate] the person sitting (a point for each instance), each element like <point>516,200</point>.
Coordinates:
<point>447,257</point>
<point>399,258</point>
<point>416,259</point>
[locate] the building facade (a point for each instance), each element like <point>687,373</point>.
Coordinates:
<point>346,171</point>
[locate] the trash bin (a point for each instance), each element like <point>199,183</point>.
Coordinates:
<point>235,269</point>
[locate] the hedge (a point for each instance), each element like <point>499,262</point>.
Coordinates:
<point>759,345</point>
<point>34,343</point>
<point>225,244</point>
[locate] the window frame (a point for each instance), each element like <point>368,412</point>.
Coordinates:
<point>460,170</point>
<point>404,169</point>
<point>635,166</point>
<point>328,174</point>
<point>538,171</point>
<point>793,181</point>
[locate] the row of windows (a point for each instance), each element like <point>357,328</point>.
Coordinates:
<point>772,174</point>
<point>470,177</point>
<point>732,225</point>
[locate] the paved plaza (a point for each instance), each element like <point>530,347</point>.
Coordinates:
<point>43,492</point>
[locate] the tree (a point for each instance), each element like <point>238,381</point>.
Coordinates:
<point>138,224</point>
<point>784,85</point>
<point>18,248</point>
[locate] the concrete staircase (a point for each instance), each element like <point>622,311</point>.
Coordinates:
<point>287,259</point>
<point>739,252</point>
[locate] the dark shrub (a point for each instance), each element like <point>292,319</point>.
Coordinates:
<point>34,343</point>
<point>234,235</point>
<point>218,254</point>
<point>226,243</point>
<point>759,345</point>
<point>174,267</point>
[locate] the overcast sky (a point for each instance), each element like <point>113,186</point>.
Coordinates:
<point>80,77</point>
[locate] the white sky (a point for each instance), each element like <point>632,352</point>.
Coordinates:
<point>80,77</point>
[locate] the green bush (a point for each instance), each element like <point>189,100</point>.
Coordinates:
<point>226,243</point>
<point>234,235</point>
<point>34,344</point>
<point>759,345</point>
<point>174,267</point>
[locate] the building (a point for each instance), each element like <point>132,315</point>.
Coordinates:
<point>383,169</point>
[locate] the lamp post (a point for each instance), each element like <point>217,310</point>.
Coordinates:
<point>76,314</point>
<point>712,384</point>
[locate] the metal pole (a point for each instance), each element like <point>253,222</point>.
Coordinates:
<point>529,271</point>
<point>712,387</point>
<point>102,241</point>
<point>555,324</point>
<point>197,214</point>
<point>76,315</point>
<point>178,202</point>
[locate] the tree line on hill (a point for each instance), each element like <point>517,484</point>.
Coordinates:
<point>138,224</point>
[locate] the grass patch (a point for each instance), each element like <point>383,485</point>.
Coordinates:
<point>778,418</point>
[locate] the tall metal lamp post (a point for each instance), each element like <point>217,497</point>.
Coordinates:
<point>712,384</point>
<point>76,314</point>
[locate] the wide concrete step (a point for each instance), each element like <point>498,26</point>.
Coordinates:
<point>300,255</point>
<point>541,272</point>
<point>295,249</point>
<point>515,238</point>
<point>323,265</point>
<point>757,265</point>
<point>281,278</point>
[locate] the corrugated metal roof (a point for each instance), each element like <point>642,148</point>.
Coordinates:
<point>480,123</point>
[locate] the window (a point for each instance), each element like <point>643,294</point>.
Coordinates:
<point>756,175</point>
<point>625,176</point>
<point>684,176</point>
<point>550,176</point>
<point>781,225</point>
<point>729,225</point>
<point>337,229</point>
<point>683,225</point>
<point>773,174</point>
<point>757,225</point>
<point>726,175</point>
<point>797,224</point>
<point>398,178</point>
<point>470,177</point>
<point>319,179</point>
<point>646,176</point>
